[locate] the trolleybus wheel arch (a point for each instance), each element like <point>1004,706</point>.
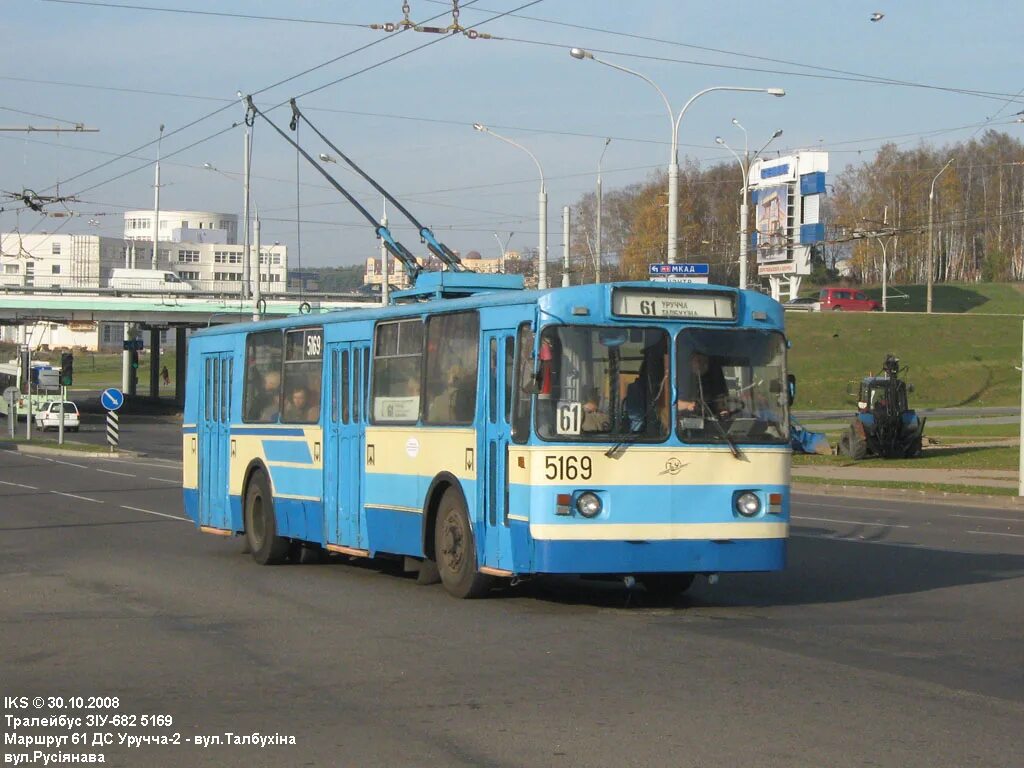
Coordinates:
<point>455,549</point>
<point>260,523</point>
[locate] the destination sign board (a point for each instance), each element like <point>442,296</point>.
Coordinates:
<point>701,305</point>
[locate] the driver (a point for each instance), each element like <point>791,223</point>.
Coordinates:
<point>705,386</point>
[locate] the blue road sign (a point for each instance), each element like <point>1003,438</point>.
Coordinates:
<point>130,344</point>
<point>679,269</point>
<point>112,398</point>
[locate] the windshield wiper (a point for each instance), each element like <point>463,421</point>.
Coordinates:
<point>725,434</point>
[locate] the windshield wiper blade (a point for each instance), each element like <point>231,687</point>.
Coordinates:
<point>725,435</point>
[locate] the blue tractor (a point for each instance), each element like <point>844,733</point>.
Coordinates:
<point>884,425</point>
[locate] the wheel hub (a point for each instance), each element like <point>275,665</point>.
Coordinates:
<point>452,545</point>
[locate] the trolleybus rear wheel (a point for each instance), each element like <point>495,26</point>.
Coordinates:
<point>260,524</point>
<point>666,586</point>
<point>455,549</point>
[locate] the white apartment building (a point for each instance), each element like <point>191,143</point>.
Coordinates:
<point>42,260</point>
<point>181,226</point>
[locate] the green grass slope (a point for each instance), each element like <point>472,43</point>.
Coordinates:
<point>979,298</point>
<point>965,360</point>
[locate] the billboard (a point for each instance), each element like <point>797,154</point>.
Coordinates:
<point>772,222</point>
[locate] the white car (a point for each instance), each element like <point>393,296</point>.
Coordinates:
<point>49,417</point>
<point>803,304</point>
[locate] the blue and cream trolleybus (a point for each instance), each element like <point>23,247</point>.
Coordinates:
<point>486,432</point>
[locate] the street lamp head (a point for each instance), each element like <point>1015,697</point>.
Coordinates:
<point>777,133</point>
<point>777,92</point>
<point>736,123</point>
<point>719,139</point>
<point>580,53</point>
<point>479,127</point>
<point>325,158</point>
<point>208,167</point>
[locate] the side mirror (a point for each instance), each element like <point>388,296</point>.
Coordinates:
<point>791,387</point>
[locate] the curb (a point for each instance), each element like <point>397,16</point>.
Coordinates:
<point>46,451</point>
<point>911,494</point>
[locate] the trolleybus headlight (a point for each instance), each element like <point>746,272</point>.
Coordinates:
<point>588,504</point>
<point>748,504</point>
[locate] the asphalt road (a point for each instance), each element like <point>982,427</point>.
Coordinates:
<point>893,639</point>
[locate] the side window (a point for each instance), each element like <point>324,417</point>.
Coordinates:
<point>344,387</point>
<point>335,386</point>
<point>208,387</point>
<point>303,372</point>
<point>397,361</point>
<point>510,350</point>
<point>262,400</point>
<point>861,297</point>
<point>492,382</point>
<point>524,386</point>
<point>225,391</point>
<point>451,368</point>
<point>357,392</point>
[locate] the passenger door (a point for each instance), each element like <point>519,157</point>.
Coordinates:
<point>346,439</point>
<point>499,348</point>
<point>214,439</point>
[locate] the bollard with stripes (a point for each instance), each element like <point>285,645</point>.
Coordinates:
<point>112,399</point>
<point>112,430</point>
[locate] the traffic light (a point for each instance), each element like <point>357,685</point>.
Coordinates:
<point>135,359</point>
<point>67,368</point>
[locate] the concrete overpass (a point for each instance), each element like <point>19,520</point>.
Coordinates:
<point>156,311</point>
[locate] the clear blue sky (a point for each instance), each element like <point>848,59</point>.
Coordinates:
<point>408,122</point>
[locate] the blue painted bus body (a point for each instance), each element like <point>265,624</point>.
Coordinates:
<point>653,519</point>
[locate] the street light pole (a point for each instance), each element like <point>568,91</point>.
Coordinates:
<point>931,198</point>
<point>542,208</point>
<point>745,164</point>
<point>673,167</point>
<point>597,258</point>
<point>156,199</point>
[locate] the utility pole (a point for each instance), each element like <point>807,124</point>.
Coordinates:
<point>597,258</point>
<point>156,201</point>
<point>385,287</point>
<point>246,150</point>
<point>931,239</point>
<point>565,246</point>
<point>258,292</point>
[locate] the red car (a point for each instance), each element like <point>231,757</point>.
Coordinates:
<point>846,300</point>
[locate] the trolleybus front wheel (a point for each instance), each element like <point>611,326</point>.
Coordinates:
<point>455,549</point>
<point>260,525</point>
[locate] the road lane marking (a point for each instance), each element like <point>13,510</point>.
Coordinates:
<point>986,517</point>
<point>111,472</point>
<point>20,485</point>
<point>69,464</point>
<point>837,537</point>
<point>165,480</point>
<point>845,506</point>
<point>151,512</point>
<point>992,532</point>
<point>76,496</point>
<point>849,522</point>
